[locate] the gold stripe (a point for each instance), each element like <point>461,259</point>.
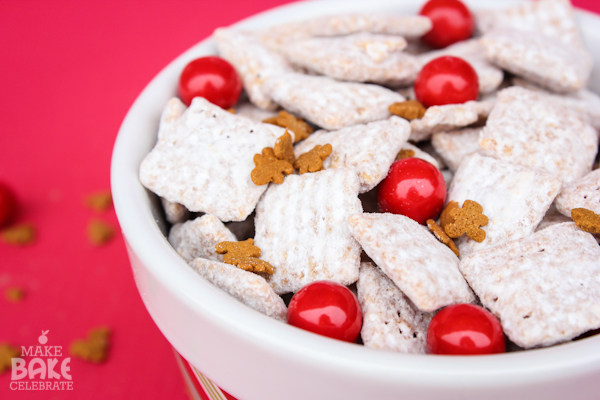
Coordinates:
<point>211,390</point>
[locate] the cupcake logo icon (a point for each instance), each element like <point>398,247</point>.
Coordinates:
<point>43,339</point>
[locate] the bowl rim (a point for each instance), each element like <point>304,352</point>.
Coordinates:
<point>145,239</point>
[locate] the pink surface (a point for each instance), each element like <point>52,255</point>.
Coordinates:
<point>69,72</point>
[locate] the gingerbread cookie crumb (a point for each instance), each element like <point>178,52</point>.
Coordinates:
<point>99,232</point>
<point>312,161</point>
<point>94,348</point>
<point>410,109</point>
<point>286,120</point>
<point>14,294</point>
<point>467,219</point>
<point>7,352</point>
<point>405,153</point>
<point>439,233</point>
<point>231,110</point>
<point>244,255</point>
<point>99,201</point>
<point>284,148</point>
<point>18,235</point>
<point>269,168</point>
<point>586,220</point>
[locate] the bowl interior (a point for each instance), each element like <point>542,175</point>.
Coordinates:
<point>144,228</point>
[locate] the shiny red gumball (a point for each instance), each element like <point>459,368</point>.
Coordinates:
<point>8,205</point>
<point>452,22</point>
<point>413,188</point>
<point>446,80</point>
<point>326,308</point>
<point>465,329</point>
<point>212,78</point>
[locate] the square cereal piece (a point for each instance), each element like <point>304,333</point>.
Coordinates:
<point>583,102</point>
<point>328,103</point>
<point>513,197</point>
<point>249,110</point>
<point>198,238</point>
<point>450,117</point>
<point>552,18</point>
<point>249,288</point>
<point>301,229</point>
<point>169,117</point>
<point>543,60</point>
<point>410,150</point>
<point>545,288</point>
<point>253,61</point>
<point>455,146</point>
<point>581,193</point>
<point>472,51</point>
<point>407,26</point>
<point>362,57</point>
<point>205,163</point>
<point>526,128</point>
<point>368,150</point>
<point>175,212</point>
<point>423,268</point>
<point>552,217</point>
<point>390,320</point>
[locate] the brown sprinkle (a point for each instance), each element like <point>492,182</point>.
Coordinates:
<point>467,219</point>
<point>312,161</point>
<point>244,255</point>
<point>18,235</point>
<point>94,348</point>
<point>269,168</point>
<point>14,294</point>
<point>284,148</point>
<point>445,217</point>
<point>286,120</point>
<point>99,232</point>
<point>409,109</point>
<point>99,201</point>
<point>7,353</point>
<point>439,233</point>
<point>586,220</point>
<point>405,153</point>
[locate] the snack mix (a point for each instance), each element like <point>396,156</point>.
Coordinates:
<point>329,107</point>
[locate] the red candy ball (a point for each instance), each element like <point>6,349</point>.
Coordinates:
<point>413,188</point>
<point>212,78</point>
<point>326,308</point>
<point>446,80</point>
<point>452,22</point>
<point>8,205</point>
<point>465,329</point>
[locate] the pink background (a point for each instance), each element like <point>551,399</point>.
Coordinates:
<point>69,72</point>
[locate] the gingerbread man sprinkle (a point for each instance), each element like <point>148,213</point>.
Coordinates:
<point>467,219</point>
<point>284,148</point>
<point>7,352</point>
<point>439,233</point>
<point>405,153</point>
<point>93,349</point>
<point>586,220</point>
<point>410,109</point>
<point>269,168</point>
<point>312,161</point>
<point>286,120</point>
<point>244,255</point>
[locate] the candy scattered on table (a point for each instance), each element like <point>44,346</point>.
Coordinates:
<point>94,348</point>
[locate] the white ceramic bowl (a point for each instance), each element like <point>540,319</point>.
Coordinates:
<point>256,358</point>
